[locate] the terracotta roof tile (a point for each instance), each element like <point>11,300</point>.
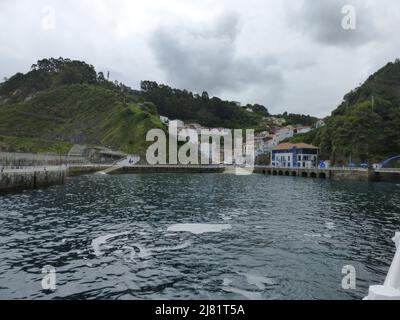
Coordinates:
<point>289,146</point>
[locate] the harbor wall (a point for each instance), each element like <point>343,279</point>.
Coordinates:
<point>168,169</point>
<point>33,178</point>
<point>85,169</point>
<point>37,159</point>
<point>337,174</point>
<point>15,181</point>
<point>351,175</point>
<point>387,176</point>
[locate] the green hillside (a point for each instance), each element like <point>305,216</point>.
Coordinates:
<point>61,102</point>
<point>202,109</point>
<point>366,126</point>
<point>64,102</point>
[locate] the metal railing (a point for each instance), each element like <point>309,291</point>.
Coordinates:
<point>8,169</point>
<point>314,168</point>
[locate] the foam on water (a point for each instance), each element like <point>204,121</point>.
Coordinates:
<point>98,242</point>
<point>314,235</point>
<point>136,249</point>
<point>173,248</point>
<point>248,294</point>
<point>199,228</point>
<point>330,225</point>
<point>143,252</point>
<point>227,282</point>
<point>259,281</point>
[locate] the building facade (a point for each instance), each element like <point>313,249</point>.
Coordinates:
<point>302,129</point>
<point>320,123</point>
<point>294,155</point>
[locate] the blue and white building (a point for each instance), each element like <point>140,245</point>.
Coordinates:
<point>294,155</point>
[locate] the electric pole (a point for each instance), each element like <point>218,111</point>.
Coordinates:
<point>373,102</point>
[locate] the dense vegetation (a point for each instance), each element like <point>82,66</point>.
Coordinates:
<point>295,119</point>
<point>61,100</point>
<point>209,112</point>
<point>366,126</point>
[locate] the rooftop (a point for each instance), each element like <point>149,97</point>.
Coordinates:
<point>290,146</point>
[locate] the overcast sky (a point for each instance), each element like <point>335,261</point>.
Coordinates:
<point>289,55</point>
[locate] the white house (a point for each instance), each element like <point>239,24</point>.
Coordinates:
<point>262,143</point>
<point>302,129</point>
<point>294,155</point>
<point>320,123</point>
<point>284,133</point>
<point>164,120</point>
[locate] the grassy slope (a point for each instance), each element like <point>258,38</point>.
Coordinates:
<point>18,144</point>
<point>80,113</point>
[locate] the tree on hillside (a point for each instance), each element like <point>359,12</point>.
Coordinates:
<point>148,86</point>
<point>205,96</point>
<point>184,105</point>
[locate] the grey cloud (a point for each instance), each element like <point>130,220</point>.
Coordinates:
<point>322,20</point>
<point>272,52</point>
<point>207,59</point>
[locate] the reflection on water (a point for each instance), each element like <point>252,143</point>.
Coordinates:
<point>197,237</point>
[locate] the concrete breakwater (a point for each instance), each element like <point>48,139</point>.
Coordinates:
<point>31,178</point>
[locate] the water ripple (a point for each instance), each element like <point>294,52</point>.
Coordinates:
<point>197,237</point>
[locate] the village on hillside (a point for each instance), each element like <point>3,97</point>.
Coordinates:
<point>264,141</point>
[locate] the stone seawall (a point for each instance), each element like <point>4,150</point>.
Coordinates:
<point>387,176</point>
<point>82,170</point>
<point>15,181</point>
<point>36,177</point>
<point>332,174</point>
<point>37,159</point>
<point>167,169</point>
<point>351,175</point>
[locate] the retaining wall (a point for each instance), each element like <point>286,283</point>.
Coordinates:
<point>14,181</point>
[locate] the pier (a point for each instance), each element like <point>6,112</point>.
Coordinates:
<point>334,173</point>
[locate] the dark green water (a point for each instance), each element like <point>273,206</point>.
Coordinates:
<point>116,237</point>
